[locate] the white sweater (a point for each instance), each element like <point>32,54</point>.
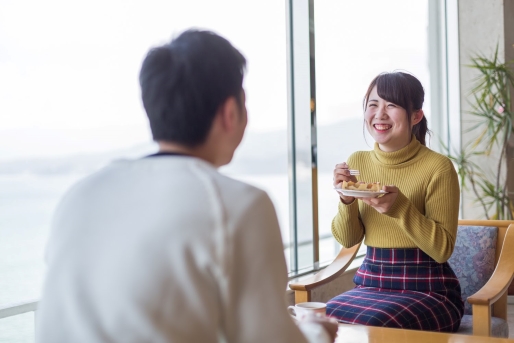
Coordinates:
<point>166,249</point>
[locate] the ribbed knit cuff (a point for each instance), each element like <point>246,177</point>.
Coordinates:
<point>352,207</point>
<point>342,202</point>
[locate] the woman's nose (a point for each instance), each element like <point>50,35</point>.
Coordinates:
<point>380,113</point>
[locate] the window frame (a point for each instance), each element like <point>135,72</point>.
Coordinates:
<point>302,125</point>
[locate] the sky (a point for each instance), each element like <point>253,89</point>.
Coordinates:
<point>68,70</point>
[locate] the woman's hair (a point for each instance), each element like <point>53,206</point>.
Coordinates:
<point>403,90</point>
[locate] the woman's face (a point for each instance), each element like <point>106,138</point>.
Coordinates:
<point>387,123</point>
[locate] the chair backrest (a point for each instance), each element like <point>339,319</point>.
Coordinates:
<point>473,259</point>
<point>500,306</point>
<point>502,226</point>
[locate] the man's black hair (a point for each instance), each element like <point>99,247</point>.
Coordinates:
<point>184,82</point>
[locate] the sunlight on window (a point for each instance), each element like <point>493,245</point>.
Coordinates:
<point>355,41</point>
<point>71,103</point>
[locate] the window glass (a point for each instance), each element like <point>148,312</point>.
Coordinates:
<point>355,41</point>
<point>71,103</point>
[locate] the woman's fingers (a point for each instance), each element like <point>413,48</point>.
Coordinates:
<point>339,174</point>
<point>384,203</point>
<point>390,189</point>
<point>342,173</point>
<point>340,177</point>
<point>344,176</point>
<point>341,169</point>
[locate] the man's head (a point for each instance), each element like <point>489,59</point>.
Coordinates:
<point>190,86</point>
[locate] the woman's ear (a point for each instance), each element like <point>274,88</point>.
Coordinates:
<point>417,116</point>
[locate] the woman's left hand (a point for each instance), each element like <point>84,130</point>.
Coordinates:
<point>383,203</point>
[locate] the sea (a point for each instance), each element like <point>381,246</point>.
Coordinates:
<point>27,202</point>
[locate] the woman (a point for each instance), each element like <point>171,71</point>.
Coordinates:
<point>404,280</point>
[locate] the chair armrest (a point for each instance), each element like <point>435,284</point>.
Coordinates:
<point>19,308</point>
<point>332,271</point>
<point>502,276</point>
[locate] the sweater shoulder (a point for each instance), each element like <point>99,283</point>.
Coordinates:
<point>435,158</point>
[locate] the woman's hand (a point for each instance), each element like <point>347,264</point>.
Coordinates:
<point>342,173</point>
<point>383,203</point>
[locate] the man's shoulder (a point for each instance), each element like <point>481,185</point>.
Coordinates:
<point>176,182</point>
<point>235,190</point>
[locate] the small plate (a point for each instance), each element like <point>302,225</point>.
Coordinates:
<point>359,194</point>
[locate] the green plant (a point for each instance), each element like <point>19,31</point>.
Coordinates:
<point>494,124</point>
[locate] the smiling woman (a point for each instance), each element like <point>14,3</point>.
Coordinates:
<point>410,231</point>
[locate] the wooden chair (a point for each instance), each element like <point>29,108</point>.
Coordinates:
<point>490,301</point>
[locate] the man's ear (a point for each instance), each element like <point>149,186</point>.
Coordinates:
<point>417,116</point>
<point>228,113</point>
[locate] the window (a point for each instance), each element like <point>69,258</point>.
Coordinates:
<point>355,41</point>
<point>71,103</point>
<point>337,48</point>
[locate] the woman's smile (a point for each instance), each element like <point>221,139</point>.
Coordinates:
<point>382,127</point>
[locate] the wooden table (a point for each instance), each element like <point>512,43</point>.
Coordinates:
<point>361,334</point>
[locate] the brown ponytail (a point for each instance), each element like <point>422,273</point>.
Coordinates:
<point>420,130</point>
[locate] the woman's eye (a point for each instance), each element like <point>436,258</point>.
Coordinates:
<point>391,105</point>
<point>372,105</point>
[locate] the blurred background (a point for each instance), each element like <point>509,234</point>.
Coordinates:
<point>70,103</point>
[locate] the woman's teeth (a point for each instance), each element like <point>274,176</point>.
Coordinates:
<point>382,127</point>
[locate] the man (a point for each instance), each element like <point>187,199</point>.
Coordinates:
<point>165,248</point>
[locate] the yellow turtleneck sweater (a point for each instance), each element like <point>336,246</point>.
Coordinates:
<point>425,213</point>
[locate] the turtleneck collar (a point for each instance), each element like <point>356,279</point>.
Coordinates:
<point>400,156</point>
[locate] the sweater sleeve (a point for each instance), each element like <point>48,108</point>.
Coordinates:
<point>256,309</point>
<point>347,226</point>
<point>435,232</point>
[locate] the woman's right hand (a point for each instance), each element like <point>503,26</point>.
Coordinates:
<point>342,173</point>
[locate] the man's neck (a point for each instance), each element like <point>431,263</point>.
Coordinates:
<point>200,152</point>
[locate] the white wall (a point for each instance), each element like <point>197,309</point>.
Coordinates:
<point>481,29</point>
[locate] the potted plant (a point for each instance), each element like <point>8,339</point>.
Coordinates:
<point>493,124</point>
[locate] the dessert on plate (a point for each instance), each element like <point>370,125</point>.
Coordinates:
<point>361,186</point>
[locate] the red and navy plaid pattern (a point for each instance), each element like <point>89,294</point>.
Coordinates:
<point>401,288</point>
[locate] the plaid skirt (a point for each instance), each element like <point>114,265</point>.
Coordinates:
<point>401,288</point>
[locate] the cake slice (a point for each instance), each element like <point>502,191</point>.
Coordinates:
<point>361,186</point>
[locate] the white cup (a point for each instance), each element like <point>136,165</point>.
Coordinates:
<point>310,308</point>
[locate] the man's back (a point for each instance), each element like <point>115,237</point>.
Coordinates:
<point>157,250</point>
<point>166,249</point>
